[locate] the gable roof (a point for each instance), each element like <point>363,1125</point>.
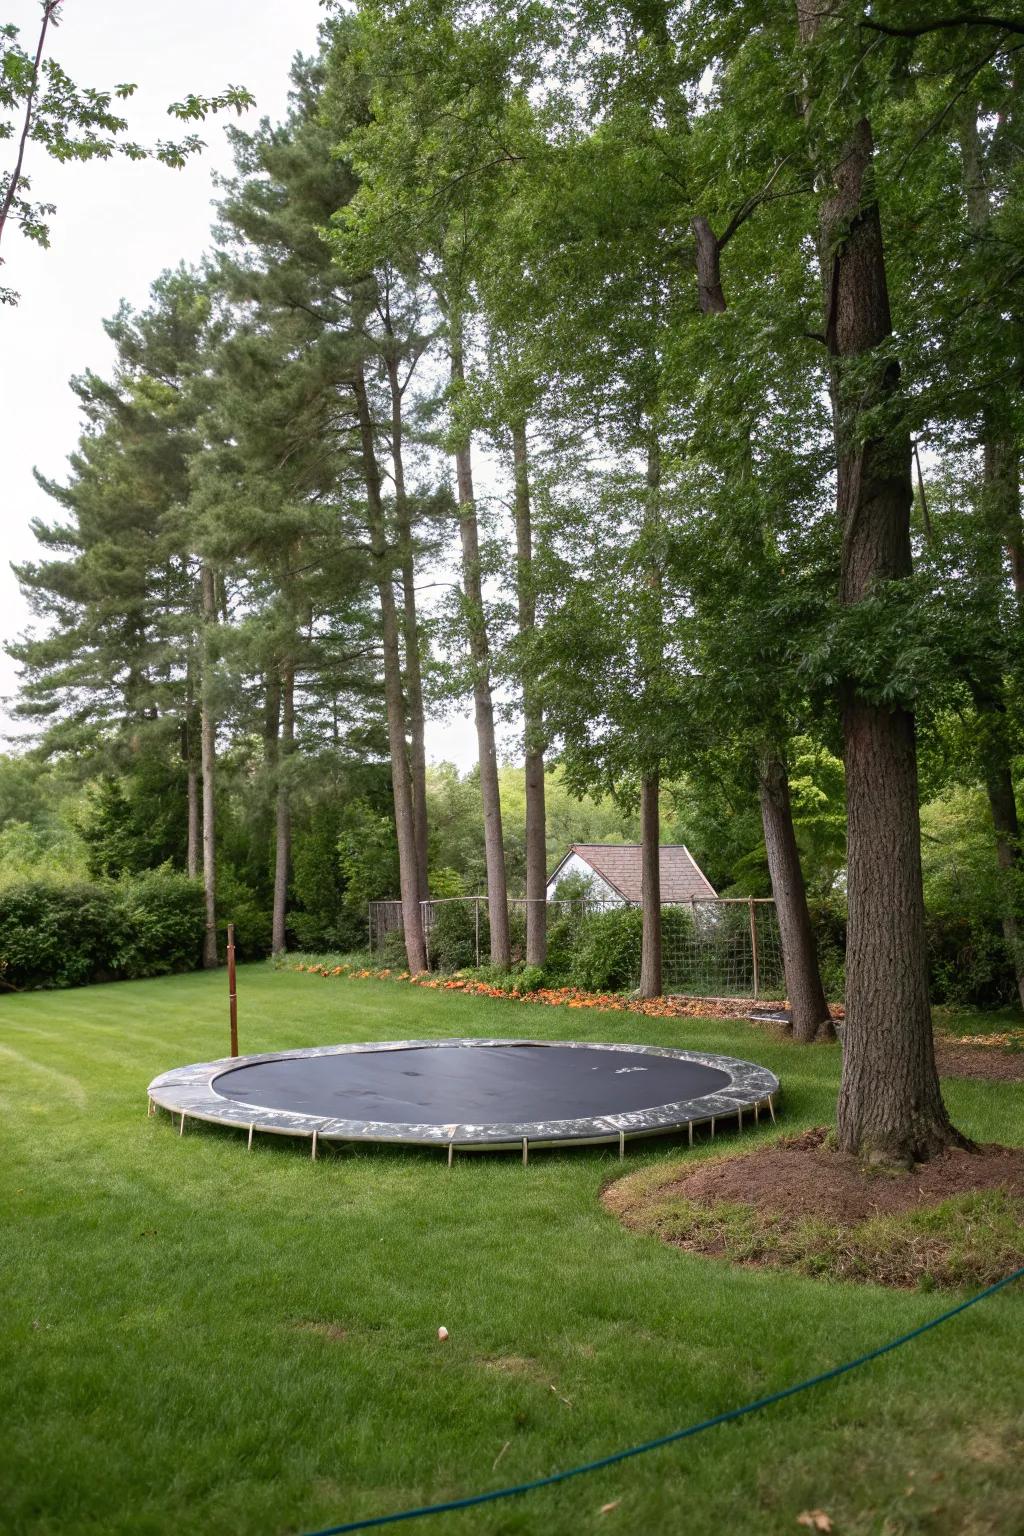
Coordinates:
<point>619,864</point>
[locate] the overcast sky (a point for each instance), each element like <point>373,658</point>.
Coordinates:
<point>117,226</point>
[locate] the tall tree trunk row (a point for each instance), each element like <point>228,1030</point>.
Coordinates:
<point>533,725</point>
<point>283,813</point>
<point>483,704</point>
<point>401,778</point>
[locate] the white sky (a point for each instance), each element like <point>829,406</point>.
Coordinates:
<point>117,226</point>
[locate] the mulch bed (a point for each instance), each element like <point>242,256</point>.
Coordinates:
<point>798,1204</point>
<point>800,1176</point>
<point>955,1059</point>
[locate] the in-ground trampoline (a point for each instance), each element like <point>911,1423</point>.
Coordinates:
<point>474,1095</point>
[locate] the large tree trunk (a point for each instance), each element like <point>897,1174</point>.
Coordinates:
<point>192,834</point>
<point>479,650</point>
<point>412,913</point>
<point>650,887</point>
<point>410,625</point>
<point>208,755</point>
<point>283,818</point>
<point>811,1018</point>
<point>533,724</point>
<point>890,1104</point>
<point>807,1004</point>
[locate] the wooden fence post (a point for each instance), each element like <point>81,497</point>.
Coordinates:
<point>232,990</point>
<point>753,947</point>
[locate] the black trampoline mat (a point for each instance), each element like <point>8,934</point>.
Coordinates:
<point>468,1085</point>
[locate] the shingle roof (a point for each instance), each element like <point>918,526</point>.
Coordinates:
<point>619,864</point>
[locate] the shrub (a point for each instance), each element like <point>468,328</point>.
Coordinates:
<point>161,922</point>
<point>64,935</point>
<point>453,935</point>
<point>606,955</point>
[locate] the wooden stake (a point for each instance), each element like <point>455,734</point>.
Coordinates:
<point>753,948</point>
<point>232,991</point>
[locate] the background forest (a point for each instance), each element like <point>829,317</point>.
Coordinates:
<point>510,377</point>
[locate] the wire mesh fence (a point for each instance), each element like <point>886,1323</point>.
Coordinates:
<point>711,946</point>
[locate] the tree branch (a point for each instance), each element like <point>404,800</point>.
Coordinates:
<point>918,29</point>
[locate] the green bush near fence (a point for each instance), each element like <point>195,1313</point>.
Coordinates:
<point>65,935</point>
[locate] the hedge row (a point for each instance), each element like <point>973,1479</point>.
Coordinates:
<point>54,935</point>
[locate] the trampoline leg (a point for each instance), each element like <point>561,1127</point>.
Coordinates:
<point>150,1107</point>
<point>690,1129</point>
<point>526,1151</point>
<point>181,1132</point>
<point>757,1114</point>
<point>314,1145</point>
<point>451,1152</point>
<point>739,1118</point>
<point>771,1106</point>
<point>712,1127</point>
<point>252,1127</point>
<point>622,1145</point>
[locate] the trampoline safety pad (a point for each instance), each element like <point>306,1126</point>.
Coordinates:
<point>469,1094</point>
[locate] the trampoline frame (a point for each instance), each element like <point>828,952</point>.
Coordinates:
<point>189,1092</point>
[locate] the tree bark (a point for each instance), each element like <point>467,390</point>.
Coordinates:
<point>191,780</point>
<point>208,755</point>
<point>412,913</point>
<point>890,1104</point>
<point>411,633</point>
<point>283,817</point>
<point>807,1004</point>
<point>533,724</point>
<point>1003,805</point>
<point>650,887</point>
<point>479,650</point>
<point>811,1017</point>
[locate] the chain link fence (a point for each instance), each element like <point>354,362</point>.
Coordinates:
<point>711,946</point>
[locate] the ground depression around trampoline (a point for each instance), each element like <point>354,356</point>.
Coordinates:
<point>466,1093</point>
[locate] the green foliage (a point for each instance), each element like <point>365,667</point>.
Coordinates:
<point>64,935</point>
<point>453,936</point>
<point>606,955</point>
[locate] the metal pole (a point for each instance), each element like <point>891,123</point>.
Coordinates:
<point>478,933</point>
<point>424,922</point>
<point>753,949</point>
<point>232,992</point>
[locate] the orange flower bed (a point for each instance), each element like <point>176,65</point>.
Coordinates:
<point>552,997</point>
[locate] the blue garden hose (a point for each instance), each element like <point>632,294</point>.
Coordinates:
<point>678,1434</point>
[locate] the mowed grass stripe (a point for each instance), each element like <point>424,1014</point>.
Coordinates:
<point>197,1337</point>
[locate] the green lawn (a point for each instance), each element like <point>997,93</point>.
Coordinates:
<point>197,1339</point>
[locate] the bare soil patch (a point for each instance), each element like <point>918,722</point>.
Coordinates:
<point>955,1059</point>
<point>956,1220</point>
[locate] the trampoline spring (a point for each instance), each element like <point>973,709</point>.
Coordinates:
<point>252,1127</point>
<point>526,1151</point>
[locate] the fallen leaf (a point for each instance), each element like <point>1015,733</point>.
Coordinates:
<point>606,1509</point>
<point>815,1520</point>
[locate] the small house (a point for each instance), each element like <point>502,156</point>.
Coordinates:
<point>614,873</point>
